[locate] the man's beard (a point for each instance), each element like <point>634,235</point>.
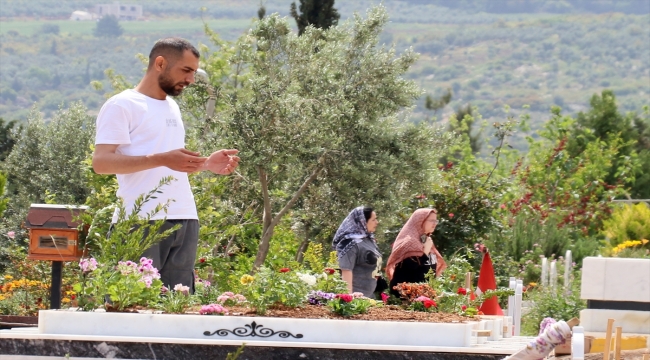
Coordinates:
<point>168,86</point>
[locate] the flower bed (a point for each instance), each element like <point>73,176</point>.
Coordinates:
<point>457,334</point>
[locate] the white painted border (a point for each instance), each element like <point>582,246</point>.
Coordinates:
<point>324,331</point>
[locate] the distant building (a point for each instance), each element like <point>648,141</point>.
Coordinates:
<point>120,11</point>
<point>82,16</point>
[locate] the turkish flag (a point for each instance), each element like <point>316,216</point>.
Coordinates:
<point>487,281</point>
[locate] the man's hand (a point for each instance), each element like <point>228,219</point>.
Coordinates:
<point>222,162</point>
<point>182,160</point>
<point>106,160</point>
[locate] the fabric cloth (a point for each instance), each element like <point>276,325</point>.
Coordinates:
<point>175,255</point>
<point>412,270</point>
<point>352,230</point>
<point>539,348</point>
<point>141,126</point>
<point>362,258</point>
<point>408,243</point>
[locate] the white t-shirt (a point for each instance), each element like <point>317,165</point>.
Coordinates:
<point>142,125</point>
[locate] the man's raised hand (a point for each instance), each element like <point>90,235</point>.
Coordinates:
<point>222,162</point>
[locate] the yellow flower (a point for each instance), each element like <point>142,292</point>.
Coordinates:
<point>246,279</point>
<point>2,297</point>
<point>9,277</point>
<point>65,300</point>
<point>533,284</point>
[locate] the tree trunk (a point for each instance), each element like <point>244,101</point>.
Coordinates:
<point>303,245</point>
<point>271,222</point>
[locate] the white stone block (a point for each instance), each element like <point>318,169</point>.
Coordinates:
<point>627,280</point>
<point>203,327</point>
<point>593,278</point>
<point>595,320</point>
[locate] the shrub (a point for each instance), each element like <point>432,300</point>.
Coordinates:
<point>628,222</point>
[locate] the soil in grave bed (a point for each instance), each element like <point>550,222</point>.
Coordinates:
<point>384,313</point>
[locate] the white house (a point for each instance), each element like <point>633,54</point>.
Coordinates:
<point>81,16</point>
<point>120,11</point>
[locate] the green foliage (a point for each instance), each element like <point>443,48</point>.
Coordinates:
<point>347,305</point>
<point>604,122</point>
<point>272,287</point>
<point>123,284</point>
<point>553,303</point>
<point>317,13</point>
<point>628,222</point>
<point>3,199</point>
<point>133,233</point>
<point>175,301</point>
<point>48,28</point>
<point>8,131</point>
<point>108,26</point>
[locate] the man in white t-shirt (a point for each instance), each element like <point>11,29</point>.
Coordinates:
<point>141,138</point>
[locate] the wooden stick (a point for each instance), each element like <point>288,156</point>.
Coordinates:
<point>608,338</point>
<point>468,282</point>
<point>617,346</point>
<point>646,356</point>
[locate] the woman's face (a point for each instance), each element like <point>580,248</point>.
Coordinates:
<point>430,223</point>
<point>371,224</point>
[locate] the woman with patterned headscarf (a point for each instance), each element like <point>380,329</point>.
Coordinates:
<point>357,252</point>
<point>414,254</point>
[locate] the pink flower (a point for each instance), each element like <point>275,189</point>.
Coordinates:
<point>357,295</point>
<point>422,298</point>
<point>503,206</point>
<point>11,234</point>
<point>88,265</point>
<point>213,309</point>
<point>384,298</point>
<point>451,215</point>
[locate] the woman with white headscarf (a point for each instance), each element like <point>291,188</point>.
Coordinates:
<point>357,252</point>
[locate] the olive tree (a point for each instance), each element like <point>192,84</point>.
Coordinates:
<point>319,117</point>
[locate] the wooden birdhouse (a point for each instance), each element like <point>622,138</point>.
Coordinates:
<point>53,232</point>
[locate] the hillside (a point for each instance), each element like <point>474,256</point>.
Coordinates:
<point>488,57</point>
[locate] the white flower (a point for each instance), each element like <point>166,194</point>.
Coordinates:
<point>307,279</point>
<point>181,288</point>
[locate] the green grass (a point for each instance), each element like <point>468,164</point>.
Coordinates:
<point>183,26</point>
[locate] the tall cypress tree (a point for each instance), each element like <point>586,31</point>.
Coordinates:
<point>319,13</point>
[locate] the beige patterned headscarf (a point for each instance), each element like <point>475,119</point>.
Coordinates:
<point>408,243</point>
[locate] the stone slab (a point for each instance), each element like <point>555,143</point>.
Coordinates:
<point>615,279</point>
<point>595,320</point>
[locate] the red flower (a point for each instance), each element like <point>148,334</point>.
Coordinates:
<point>429,303</point>
<point>285,270</point>
<point>462,291</point>
<point>463,307</point>
<point>202,260</point>
<point>72,297</point>
<point>345,297</point>
<point>451,215</point>
<point>329,271</point>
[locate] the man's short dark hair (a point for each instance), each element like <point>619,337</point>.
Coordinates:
<point>171,49</point>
